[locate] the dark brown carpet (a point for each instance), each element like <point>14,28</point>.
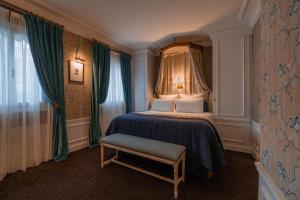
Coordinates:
<point>80,177</point>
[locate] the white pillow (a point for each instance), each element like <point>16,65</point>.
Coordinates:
<point>191,96</point>
<point>168,97</point>
<point>163,105</point>
<point>189,105</point>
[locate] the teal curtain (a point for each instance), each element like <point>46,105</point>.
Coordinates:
<point>126,79</point>
<point>101,67</point>
<point>46,46</point>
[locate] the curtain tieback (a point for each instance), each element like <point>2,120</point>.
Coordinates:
<point>55,105</point>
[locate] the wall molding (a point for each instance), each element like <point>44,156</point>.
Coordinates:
<point>238,126</point>
<point>78,122</point>
<point>233,32</point>
<point>232,119</point>
<point>77,131</point>
<point>243,75</point>
<point>241,36</point>
<point>232,144</point>
<point>78,144</point>
<point>144,51</point>
<point>268,190</point>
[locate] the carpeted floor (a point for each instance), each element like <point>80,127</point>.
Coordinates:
<point>80,177</point>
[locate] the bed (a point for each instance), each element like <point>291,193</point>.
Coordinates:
<point>195,131</point>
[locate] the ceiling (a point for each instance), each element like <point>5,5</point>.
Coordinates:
<point>138,24</point>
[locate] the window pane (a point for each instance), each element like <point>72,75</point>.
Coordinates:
<point>19,83</point>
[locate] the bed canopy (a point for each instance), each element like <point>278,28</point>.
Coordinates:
<point>181,70</point>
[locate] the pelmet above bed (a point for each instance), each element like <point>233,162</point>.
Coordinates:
<point>185,67</point>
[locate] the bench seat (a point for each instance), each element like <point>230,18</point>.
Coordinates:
<point>163,152</point>
<point>160,149</point>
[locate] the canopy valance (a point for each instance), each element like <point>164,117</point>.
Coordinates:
<point>181,70</point>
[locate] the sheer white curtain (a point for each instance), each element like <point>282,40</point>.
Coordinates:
<point>25,137</point>
<point>115,102</point>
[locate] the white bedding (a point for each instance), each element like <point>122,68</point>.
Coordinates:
<point>205,115</point>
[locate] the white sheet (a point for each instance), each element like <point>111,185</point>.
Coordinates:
<point>206,115</point>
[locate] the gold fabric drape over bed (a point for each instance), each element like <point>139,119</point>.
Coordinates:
<point>183,67</point>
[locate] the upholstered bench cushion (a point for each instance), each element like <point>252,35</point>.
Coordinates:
<point>156,148</point>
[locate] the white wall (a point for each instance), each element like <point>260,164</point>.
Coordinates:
<point>142,76</point>
<point>231,88</point>
<point>149,73</point>
<point>138,62</point>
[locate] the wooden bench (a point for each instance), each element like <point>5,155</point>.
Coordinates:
<point>163,152</point>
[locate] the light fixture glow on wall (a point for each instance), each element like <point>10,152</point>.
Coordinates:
<point>179,83</point>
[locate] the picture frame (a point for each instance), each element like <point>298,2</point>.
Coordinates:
<point>76,71</point>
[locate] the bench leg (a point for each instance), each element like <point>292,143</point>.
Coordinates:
<point>183,169</point>
<point>210,174</point>
<point>117,154</point>
<point>102,155</point>
<point>175,180</point>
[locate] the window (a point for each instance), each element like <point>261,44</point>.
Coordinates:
<point>115,93</point>
<point>115,102</point>
<point>18,79</point>
<point>25,123</point>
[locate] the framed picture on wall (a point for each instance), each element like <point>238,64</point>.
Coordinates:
<point>76,71</point>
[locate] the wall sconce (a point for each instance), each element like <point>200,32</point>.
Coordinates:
<point>76,67</point>
<point>77,58</point>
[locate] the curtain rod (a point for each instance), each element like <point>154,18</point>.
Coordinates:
<point>23,12</point>
<point>109,46</point>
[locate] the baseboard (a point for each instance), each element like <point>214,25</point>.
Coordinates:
<point>268,190</point>
<point>255,140</point>
<point>77,130</point>
<point>78,144</point>
<point>236,146</point>
<point>255,152</point>
<point>255,126</point>
<point>235,133</point>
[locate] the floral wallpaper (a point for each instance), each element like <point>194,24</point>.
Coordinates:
<point>277,92</point>
<point>78,96</point>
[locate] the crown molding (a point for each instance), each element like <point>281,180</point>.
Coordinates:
<point>69,22</point>
<point>240,30</point>
<point>242,9</point>
<point>145,51</point>
<point>256,15</point>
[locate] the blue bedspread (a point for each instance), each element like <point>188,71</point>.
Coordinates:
<point>200,137</point>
